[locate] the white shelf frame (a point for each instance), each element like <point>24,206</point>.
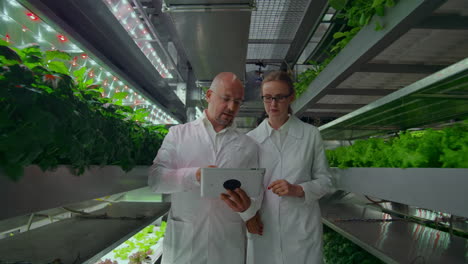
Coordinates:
<point>440,189</point>
<point>38,190</point>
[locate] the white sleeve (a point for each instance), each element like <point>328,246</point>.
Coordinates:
<point>320,174</point>
<point>255,202</point>
<point>164,175</point>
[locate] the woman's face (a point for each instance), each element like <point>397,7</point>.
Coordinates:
<point>277,99</point>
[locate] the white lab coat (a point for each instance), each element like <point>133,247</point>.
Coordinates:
<point>200,230</point>
<point>292,231</point>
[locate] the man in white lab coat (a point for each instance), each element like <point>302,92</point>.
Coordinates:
<point>201,230</point>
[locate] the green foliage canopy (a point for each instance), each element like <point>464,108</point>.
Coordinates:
<point>446,148</point>
<point>49,117</point>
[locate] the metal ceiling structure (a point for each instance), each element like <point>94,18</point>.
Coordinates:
<point>201,38</point>
<point>213,43</point>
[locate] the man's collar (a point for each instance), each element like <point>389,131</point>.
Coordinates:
<point>203,119</point>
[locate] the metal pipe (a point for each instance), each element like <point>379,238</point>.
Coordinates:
<point>209,8</point>
<point>205,9</point>
<point>153,32</point>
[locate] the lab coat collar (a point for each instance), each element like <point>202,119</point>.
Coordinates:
<point>295,130</point>
<point>296,127</point>
<point>285,126</point>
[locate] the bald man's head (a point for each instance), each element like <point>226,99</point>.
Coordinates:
<point>223,79</point>
<point>224,95</point>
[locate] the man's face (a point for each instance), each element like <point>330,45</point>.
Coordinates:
<point>224,102</point>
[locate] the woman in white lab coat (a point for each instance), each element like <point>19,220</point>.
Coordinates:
<point>297,176</point>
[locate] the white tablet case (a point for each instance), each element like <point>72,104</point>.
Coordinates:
<point>213,180</point>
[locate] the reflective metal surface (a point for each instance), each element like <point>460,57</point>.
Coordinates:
<point>393,240</point>
<point>443,219</point>
<point>214,41</point>
<point>422,187</point>
<point>38,190</point>
<point>78,239</point>
<point>205,2</point>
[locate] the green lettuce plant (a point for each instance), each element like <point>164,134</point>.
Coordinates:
<point>446,148</point>
<point>49,117</point>
<point>142,241</point>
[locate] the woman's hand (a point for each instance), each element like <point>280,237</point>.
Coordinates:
<point>284,188</point>
<point>255,225</point>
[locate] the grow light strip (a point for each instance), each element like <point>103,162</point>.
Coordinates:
<point>16,19</point>
<point>128,18</point>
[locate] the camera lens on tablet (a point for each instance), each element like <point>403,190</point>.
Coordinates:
<point>231,184</point>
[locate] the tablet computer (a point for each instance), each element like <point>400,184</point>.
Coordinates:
<point>215,181</point>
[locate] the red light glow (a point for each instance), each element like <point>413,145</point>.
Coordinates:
<point>32,16</point>
<point>62,38</point>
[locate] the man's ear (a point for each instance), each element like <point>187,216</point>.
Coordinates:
<point>208,95</point>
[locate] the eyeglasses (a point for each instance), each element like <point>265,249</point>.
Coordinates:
<point>279,98</point>
<point>227,99</point>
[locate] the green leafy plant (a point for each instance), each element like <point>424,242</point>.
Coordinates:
<point>357,14</point>
<point>142,242</point>
<point>306,77</point>
<point>339,250</point>
<point>139,257</point>
<point>49,117</point>
<point>446,148</point>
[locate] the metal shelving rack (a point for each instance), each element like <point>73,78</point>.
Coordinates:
<point>38,190</point>
<point>413,45</point>
<point>430,89</point>
<point>388,236</point>
<point>40,196</point>
<point>86,234</point>
<point>78,239</point>
<point>437,98</point>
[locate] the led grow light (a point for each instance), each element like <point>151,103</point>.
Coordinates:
<point>37,31</point>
